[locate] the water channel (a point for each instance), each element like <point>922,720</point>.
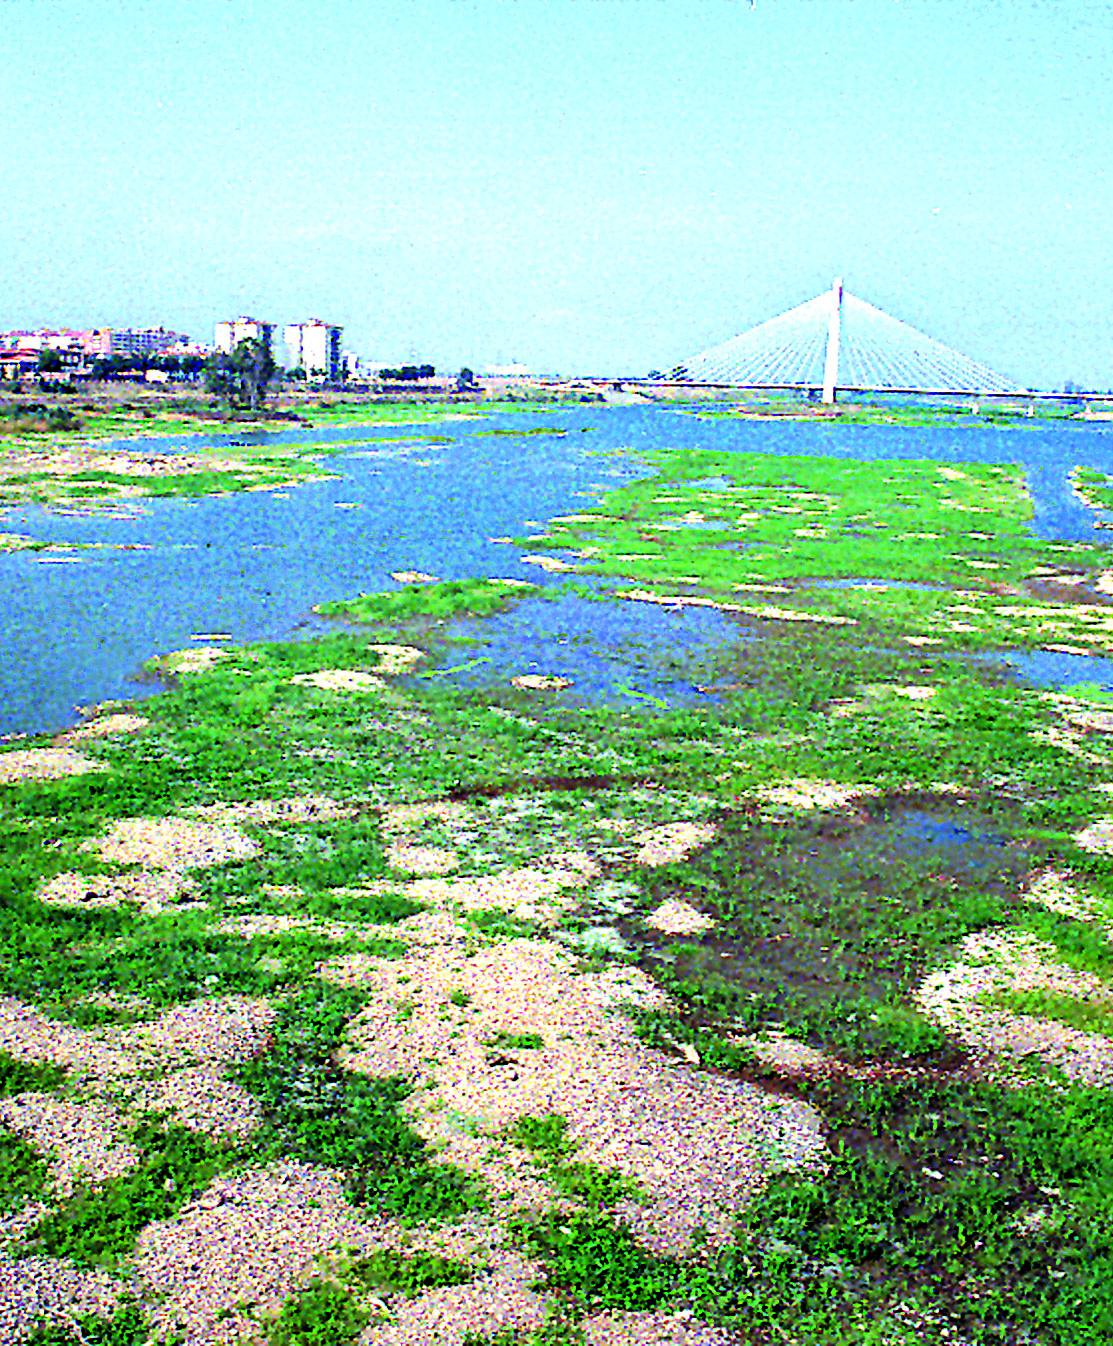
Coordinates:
<point>429,498</point>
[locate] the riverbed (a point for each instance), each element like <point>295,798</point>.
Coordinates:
<point>124,583</point>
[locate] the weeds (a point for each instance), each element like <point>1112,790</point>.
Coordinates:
<point>126,1327</point>
<point>97,1226</point>
<point>318,1112</point>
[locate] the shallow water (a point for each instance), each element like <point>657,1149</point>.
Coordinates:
<point>1051,668</point>
<point>252,565</point>
<point>633,654</point>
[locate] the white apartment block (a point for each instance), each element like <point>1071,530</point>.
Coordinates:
<point>230,334</point>
<point>315,347</point>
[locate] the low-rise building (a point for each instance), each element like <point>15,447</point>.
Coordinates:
<point>18,362</point>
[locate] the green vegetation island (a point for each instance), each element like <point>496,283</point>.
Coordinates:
<point>343,1001</point>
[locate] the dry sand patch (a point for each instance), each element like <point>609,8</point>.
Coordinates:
<point>172,844</point>
<point>294,809</point>
<point>675,917</point>
<point>199,659</point>
<point>24,764</point>
<point>695,1144</point>
<point>671,842</point>
<point>1057,893</point>
<point>104,726</point>
<point>540,682</point>
<point>993,962</point>
<point>81,1142</point>
<point>395,660</point>
<point>814,794</point>
<point>1097,838</point>
<point>340,680</point>
<point>410,817</point>
<point>35,1288</point>
<point>421,859</point>
<point>552,565</point>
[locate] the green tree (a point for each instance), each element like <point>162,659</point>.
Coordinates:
<point>242,377</point>
<point>50,360</point>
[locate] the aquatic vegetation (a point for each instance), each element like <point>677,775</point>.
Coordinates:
<point>514,955</point>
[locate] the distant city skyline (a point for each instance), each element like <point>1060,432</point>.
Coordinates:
<point>578,185</point>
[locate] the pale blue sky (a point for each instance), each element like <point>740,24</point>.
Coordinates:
<point>583,185</point>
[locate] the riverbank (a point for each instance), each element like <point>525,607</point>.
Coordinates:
<point>52,446</point>
<point>390,986</point>
<point>43,464</point>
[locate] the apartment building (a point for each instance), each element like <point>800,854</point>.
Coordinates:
<point>230,334</point>
<point>96,341</point>
<point>315,347</point>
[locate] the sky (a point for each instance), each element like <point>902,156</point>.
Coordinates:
<point>584,186</point>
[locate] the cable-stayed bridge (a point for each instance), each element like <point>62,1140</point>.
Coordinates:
<point>837,342</point>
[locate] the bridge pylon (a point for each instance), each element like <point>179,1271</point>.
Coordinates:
<point>839,342</point>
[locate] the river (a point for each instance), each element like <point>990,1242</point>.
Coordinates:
<point>251,565</point>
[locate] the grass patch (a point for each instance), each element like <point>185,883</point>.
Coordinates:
<point>597,1262</point>
<point>320,1113</point>
<point>127,1327</point>
<point>17,1077</point>
<point>97,1226</point>
<point>323,1313</point>
<point>546,1138</point>
<point>448,598</point>
<point>22,1173</point>
<point>1087,1016</point>
<point>410,1273</point>
<point>952,1197</point>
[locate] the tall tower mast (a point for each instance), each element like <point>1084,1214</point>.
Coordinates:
<point>834,324</point>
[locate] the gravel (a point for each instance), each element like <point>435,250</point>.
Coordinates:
<point>996,961</point>
<point>23,764</point>
<point>533,892</point>
<point>151,891</point>
<point>81,1141</point>
<point>651,1329</point>
<point>694,1143</point>
<point>43,1287</point>
<point>671,842</point>
<point>242,1245</point>
<point>172,843</point>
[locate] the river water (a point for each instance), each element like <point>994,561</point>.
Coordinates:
<point>251,566</point>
